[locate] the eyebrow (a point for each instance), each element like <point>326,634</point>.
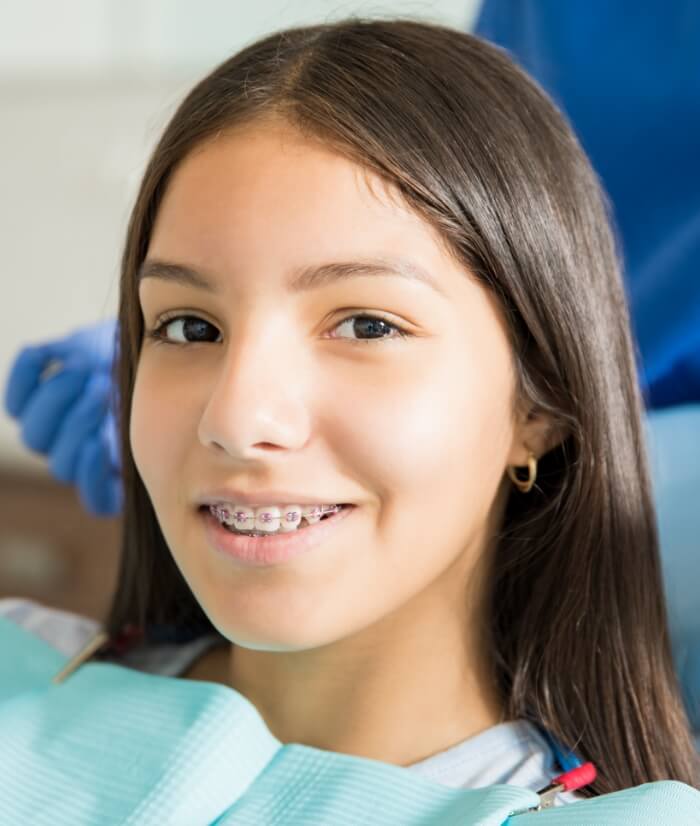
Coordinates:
<point>303,278</point>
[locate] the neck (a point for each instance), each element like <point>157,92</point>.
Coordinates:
<point>399,691</point>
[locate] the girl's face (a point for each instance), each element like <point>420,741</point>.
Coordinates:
<point>284,389</point>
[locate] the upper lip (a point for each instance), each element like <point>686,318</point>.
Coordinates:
<point>263,497</point>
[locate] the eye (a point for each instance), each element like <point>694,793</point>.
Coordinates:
<point>374,326</point>
<point>184,325</point>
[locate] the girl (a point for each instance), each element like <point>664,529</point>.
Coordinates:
<point>370,273</point>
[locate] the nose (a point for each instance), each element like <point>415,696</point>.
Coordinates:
<point>258,402</point>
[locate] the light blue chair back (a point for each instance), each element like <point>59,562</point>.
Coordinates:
<point>673,438</point>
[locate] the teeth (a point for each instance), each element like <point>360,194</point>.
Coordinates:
<point>313,513</point>
<point>291,517</point>
<point>269,518</point>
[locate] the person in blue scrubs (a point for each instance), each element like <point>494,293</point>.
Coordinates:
<point>627,75</point>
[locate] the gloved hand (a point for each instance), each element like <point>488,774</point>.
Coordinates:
<point>60,393</point>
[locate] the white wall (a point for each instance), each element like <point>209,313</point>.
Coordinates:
<point>86,86</point>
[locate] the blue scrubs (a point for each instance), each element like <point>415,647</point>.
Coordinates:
<point>627,74</point>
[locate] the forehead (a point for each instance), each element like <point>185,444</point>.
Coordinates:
<point>265,194</point>
<point>254,210</point>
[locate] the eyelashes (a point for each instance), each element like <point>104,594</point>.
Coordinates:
<point>158,332</point>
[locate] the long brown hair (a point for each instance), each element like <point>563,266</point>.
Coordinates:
<point>476,148</point>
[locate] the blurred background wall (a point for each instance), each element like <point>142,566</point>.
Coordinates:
<point>86,87</point>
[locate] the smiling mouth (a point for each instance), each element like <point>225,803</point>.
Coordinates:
<point>279,531</point>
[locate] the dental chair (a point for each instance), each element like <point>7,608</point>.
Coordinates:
<point>673,438</point>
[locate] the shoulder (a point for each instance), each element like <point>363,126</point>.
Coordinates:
<point>65,631</point>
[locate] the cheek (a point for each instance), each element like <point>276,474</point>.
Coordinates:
<point>426,446</point>
<point>158,424</point>
<point>439,429</point>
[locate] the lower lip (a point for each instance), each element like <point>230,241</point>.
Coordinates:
<point>259,551</point>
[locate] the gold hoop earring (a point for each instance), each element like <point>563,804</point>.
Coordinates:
<point>525,487</point>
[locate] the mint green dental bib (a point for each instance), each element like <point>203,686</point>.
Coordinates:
<point>112,745</point>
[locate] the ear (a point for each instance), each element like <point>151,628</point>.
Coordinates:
<point>535,432</point>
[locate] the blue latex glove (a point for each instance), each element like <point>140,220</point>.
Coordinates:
<point>60,393</point>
